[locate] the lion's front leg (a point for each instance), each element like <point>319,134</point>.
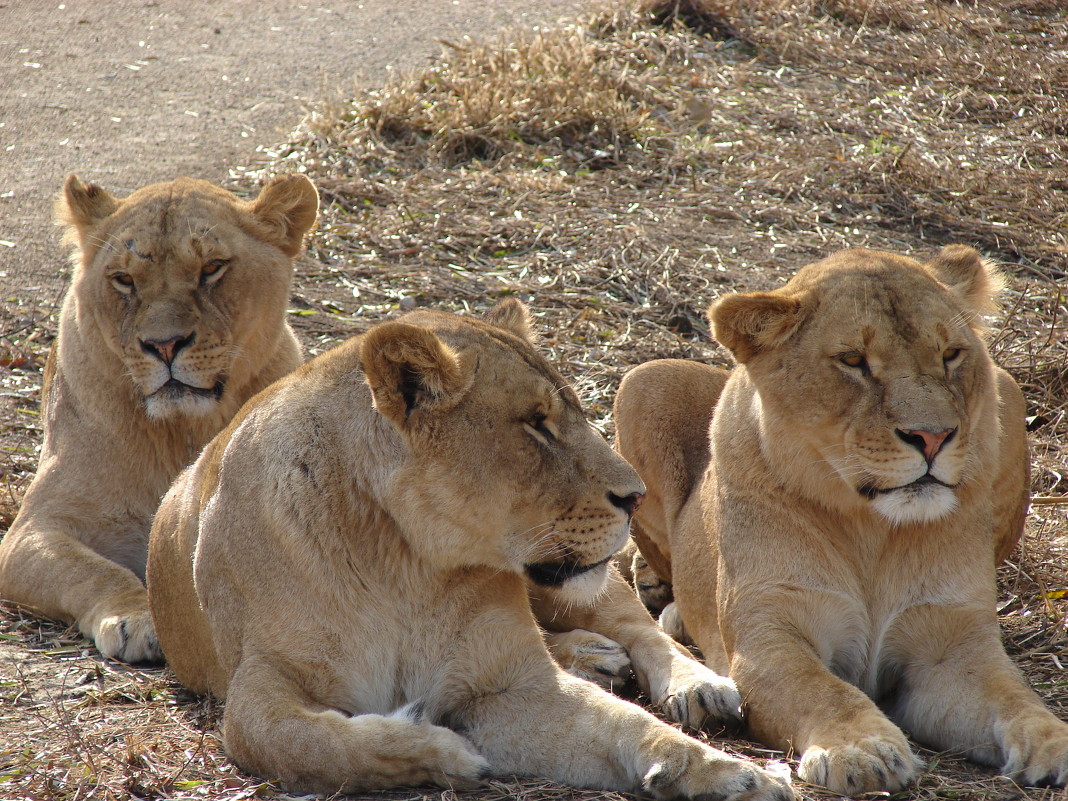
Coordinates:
<point>795,702</point>
<point>961,692</point>
<point>46,568</point>
<point>686,690</point>
<point>550,724</point>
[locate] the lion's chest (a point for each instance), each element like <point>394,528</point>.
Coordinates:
<point>866,633</point>
<point>438,649</point>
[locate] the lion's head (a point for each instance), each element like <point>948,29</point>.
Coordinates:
<point>500,454</point>
<point>873,381</point>
<point>184,281</point>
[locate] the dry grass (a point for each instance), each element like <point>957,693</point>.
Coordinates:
<point>619,174</point>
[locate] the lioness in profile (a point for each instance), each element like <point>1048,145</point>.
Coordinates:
<point>347,564</point>
<point>834,547</point>
<point>174,318</point>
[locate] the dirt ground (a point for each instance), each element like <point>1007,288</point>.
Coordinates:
<point>129,92</point>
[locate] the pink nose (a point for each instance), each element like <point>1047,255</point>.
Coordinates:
<point>929,443</point>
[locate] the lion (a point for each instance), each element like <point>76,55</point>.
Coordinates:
<point>174,318</point>
<point>831,537</point>
<point>352,565</point>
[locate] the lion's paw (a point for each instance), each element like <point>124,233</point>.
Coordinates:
<point>653,591</point>
<point>714,775</point>
<point>129,638</point>
<point>871,764</point>
<point>698,697</point>
<point>461,766</point>
<point>590,656</point>
<point>670,622</point>
<point>1036,750</point>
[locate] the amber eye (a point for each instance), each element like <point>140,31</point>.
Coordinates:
<point>213,270</point>
<point>854,359</point>
<point>122,281</point>
<point>950,354</point>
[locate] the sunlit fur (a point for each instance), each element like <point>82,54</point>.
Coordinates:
<point>115,436</point>
<point>360,539</point>
<point>831,511</point>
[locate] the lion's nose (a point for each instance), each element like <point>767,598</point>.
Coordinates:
<point>628,503</point>
<point>165,349</point>
<point>929,443</point>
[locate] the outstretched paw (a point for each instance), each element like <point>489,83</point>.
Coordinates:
<point>590,656</point>
<point>700,698</point>
<point>715,775</point>
<point>1036,750</point>
<point>870,764</point>
<point>129,638</point>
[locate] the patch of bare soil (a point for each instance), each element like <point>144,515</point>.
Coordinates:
<point>619,174</point>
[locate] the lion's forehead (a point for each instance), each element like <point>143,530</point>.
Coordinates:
<point>189,230</point>
<point>878,315</point>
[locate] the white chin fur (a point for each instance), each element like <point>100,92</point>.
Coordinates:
<point>159,407</point>
<point>916,505</point>
<point>585,589</point>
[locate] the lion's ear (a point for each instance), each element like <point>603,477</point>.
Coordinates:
<point>287,206</point>
<point>410,370</point>
<point>755,322</point>
<point>83,206</point>
<point>511,315</point>
<point>975,280</point>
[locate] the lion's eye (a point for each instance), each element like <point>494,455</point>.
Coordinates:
<point>212,271</point>
<point>950,355</point>
<point>123,282</point>
<point>537,422</point>
<point>854,359</point>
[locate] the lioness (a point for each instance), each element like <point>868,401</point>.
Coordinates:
<point>174,318</point>
<point>867,468</point>
<point>346,564</point>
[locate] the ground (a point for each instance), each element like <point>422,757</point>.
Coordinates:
<point>620,173</point>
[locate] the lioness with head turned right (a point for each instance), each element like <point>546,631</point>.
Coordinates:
<point>832,536</point>
<point>347,565</point>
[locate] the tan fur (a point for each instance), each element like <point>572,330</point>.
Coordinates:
<point>799,568</point>
<point>345,564</point>
<point>183,272</point>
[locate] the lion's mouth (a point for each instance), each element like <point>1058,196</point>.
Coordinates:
<point>871,492</point>
<point>553,574</point>
<point>175,389</point>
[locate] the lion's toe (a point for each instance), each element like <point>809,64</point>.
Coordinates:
<point>703,698</point>
<point>869,765</point>
<point>714,776</point>
<point>671,624</point>
<point>591,656</point>
<point>129,638</point>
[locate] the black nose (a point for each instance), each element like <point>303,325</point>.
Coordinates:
<point>165,349</point>
<point>628,503</point>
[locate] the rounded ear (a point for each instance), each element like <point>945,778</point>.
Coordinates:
<point>287,206</point>
<point>410,370</point>
<point>83,206</point>
<point>513,316</point>
<point>975,280</point>
<point>753,323</point>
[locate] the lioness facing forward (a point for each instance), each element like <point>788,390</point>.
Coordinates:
<point>175,317</point>
<point>346,565</point>
<point>867,468</point>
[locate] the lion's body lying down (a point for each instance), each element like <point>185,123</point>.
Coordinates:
<point>866,465</point>
<point>345,566</point>
<point>175,317</point>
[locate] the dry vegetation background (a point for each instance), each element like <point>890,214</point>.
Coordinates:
<point>619,173</point>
